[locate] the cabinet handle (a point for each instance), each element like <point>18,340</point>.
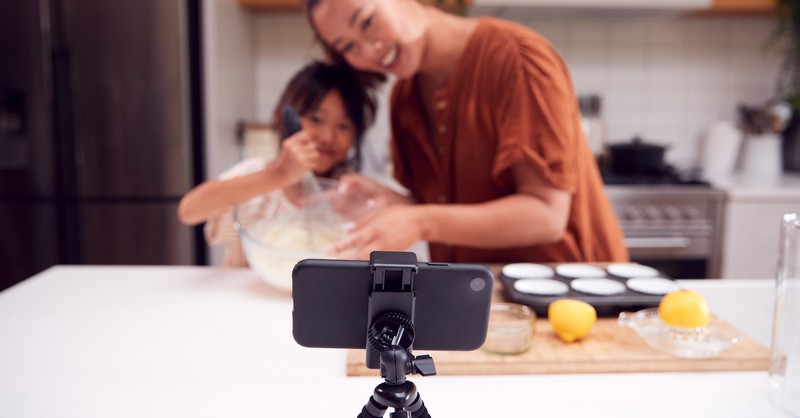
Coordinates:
<point>672,242</point>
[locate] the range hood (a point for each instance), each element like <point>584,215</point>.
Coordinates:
<point>598,4</point>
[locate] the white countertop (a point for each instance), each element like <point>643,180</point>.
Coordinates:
<point>205,342</point>
<point>785,188</point>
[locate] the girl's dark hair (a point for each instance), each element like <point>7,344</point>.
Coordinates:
<point>367,79</point>
<point>311,84</point>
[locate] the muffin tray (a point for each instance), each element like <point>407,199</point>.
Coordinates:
<point>610,290</point>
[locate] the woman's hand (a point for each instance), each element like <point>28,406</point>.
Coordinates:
<point>395,228</point>
<point>297,157</point>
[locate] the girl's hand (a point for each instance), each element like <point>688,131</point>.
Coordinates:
<point>395,228</point>
<point>297,157</point>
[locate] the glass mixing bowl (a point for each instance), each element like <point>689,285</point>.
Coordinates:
<point>275,232</point>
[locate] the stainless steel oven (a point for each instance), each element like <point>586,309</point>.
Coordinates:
<point>675,228</point>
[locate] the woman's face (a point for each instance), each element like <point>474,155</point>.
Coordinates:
<point>382,36</point>
<point>332,130</point>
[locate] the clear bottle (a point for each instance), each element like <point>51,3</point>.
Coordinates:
<point>784,369</point>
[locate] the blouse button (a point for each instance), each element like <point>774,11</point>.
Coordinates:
<point>441,104</point>
<point>442,198</point>
<point>442,129</point>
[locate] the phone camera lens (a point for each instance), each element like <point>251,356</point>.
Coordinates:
<point>477,284</point>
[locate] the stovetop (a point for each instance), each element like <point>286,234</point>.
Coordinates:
<point>668,177</point>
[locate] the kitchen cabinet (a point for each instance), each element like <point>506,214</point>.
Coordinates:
<point>753,214</point>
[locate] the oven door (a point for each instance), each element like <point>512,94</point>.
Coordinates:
<point>681,253</point>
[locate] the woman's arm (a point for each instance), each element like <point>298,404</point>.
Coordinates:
<point>536,214</point>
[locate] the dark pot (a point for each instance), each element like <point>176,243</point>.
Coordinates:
<point>791,145</point>
<point>637,158</point>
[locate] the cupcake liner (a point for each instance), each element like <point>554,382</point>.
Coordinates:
<point>541,287</point>
<point>527,271</point>
<point>629,270</point>
<point>578,270</point>
<point>652,285</point>
<point>598,286</point>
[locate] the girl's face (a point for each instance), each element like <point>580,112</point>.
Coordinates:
<point>382,36</point>
<point>331,129</point>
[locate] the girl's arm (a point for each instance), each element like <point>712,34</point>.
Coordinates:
<point>214,197</point>
<point>536,214</point>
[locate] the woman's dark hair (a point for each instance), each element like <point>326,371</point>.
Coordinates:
<point>311,84</point>
<point>367,79</point>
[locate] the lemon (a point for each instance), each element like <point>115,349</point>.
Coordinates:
<point>684,308</point>
<point>571,319</point>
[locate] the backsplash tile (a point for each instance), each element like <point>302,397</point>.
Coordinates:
<point>665,77</point>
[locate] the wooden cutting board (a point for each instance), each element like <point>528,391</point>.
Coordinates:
<point>609,348</point>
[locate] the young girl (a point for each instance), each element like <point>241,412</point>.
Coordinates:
<point>335,108</point>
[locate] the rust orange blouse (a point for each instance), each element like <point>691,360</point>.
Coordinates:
<point>510,101</point>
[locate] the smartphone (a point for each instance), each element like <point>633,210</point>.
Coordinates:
<point>331,304</point>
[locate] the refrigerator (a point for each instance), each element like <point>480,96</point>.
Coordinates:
<point>100,133</point>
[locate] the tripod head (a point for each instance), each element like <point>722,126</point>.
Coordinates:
<point>392,335</point>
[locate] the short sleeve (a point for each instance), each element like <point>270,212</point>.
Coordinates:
<point>536,114</point>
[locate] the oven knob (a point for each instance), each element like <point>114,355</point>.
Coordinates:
<point>632,213</point>
<point>652,212</point>
<point>690,212</point>
<point>672,213</point>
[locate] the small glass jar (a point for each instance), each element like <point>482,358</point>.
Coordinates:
<point>511,328</point>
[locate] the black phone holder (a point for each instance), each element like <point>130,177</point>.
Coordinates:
<point>390,337</point>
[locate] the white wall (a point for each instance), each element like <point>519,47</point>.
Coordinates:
<point>666,77</point>
<point>229,65</point>
<point>229,84</point>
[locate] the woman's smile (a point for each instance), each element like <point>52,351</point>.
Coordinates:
<point>391,57</point>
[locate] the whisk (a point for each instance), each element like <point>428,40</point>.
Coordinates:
<point>317,210</point>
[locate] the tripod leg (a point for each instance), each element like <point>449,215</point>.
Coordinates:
<point>372,409</point>
<point>418,409</point>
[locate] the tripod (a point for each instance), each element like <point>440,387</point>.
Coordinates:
<point>390,335</point>
<point>396,391</point>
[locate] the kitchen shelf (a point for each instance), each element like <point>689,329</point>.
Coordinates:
<point>273,5</point>
<point>742,6</point>
<point>297,5</point>
<point>718,7</point>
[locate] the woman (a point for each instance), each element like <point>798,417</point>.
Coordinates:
<point>486,135</point>
<point>335,109</point>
